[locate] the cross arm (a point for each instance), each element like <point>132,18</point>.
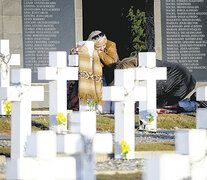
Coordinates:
<point>54,73</point>
<point>201,93</point>
<point>73,60</point>
<point>113,93</point>
<point>118,93</point>
<point>139,93</point>
<point>15,60</point>
<point>157,73</point>
<point>37,93</point>
<point>74,143</point>
<point>103,143</point>
<point>17,93</point>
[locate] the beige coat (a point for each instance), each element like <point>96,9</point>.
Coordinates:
<point>109,55</point>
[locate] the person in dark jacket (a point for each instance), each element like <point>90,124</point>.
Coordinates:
<point>180,82</point>
<point>173,91</point>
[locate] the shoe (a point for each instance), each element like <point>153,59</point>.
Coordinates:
<point>166,111</point>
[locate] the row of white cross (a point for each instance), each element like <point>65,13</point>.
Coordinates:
<point>39,150</point>
<point>34,155</point>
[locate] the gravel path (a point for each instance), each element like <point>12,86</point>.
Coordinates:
<point>120,165</point>
<point>152,137</point>
<point>140,137</point>
<point>5,143</point>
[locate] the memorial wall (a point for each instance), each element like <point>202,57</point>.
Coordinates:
<point>184,34</point>
<point>48,25</point>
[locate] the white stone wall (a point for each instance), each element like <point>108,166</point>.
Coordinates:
<point>78,20</point>
<point>157,24</point>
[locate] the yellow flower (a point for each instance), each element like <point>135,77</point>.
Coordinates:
<point>7,107</point>
<point>124,148</point>
<point>61,119</point>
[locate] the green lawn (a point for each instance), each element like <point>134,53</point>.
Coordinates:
<point>117,176</point>
<point>164,121</point>
<point>106,123</point>
<point>155,147</point>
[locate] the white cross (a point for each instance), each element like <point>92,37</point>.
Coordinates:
<point>21,93</point>
<point>148,73</point>
<point>80,146</point>
<point>190,159</point>
<point>188,162</point>
<point>57,74</point>
<point>84,142</point>
<point>124,93</point>
<point>6,59</point>
<point>41,160</point>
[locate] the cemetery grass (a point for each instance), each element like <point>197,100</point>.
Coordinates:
<point>38,123</point>
<point>117,176</point>
<point>169,146</point>
<point>105,123</point>
<point>5,151</point>
<point>164,121</point>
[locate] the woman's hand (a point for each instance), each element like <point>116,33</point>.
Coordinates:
<point>82,49</point>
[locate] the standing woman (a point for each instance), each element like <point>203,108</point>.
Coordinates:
<point>108,58</point>
<point>107,53</point>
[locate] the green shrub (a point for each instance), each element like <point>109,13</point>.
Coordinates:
<point>137,28</point>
